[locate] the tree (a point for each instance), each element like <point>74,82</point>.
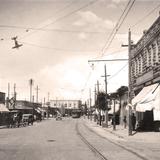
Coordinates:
<point>122,90</point>
<point>101,104</point>
<point>101,98</point>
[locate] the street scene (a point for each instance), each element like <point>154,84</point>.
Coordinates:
<point>80,79</point>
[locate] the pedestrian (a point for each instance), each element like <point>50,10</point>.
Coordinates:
<point>133,120</point>
<point>125,121</point>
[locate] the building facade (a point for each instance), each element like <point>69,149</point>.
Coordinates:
<point>145,58</point>
<point>145,72</point>
<point>68,104</point>
<point>65,106</point>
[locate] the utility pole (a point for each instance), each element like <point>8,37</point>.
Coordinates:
<point>98,104</point>
<point>90,101</point>
<point>8,90</point>
<point>14,91</point>
<point>106,99</point>
<point>129,81</point>
<point>95,95</point>
<point>48,105</point>
<point>37,89</point>
<point>95,98</point>
<point>14,94</point>
<point>107,60</point>
<point>31,84</point>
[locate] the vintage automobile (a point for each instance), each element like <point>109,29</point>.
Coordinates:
<point>27,119</point>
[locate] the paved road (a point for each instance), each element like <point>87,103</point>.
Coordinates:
<point>48,140</point>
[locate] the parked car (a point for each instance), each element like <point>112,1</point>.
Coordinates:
<point>27,119</point>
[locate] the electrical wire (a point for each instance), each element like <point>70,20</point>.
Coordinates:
<point>118,71</point>
<point>114,52</point>
<point>146,16</point>
<point>74,11</point>
<point>52,30</point>
<point>69,14</point>
<point>118,25</point>
<point>57,49</point>
<point>89,75</point>
<point>59,11</point>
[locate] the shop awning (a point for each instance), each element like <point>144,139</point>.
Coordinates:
<point>145,92</point>
<point>148,98</point>
<point>3,108</point>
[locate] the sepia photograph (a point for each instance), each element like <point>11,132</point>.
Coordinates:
<point>79,79</point>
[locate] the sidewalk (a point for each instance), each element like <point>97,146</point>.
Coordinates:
<point>145,144</point>
<point>122,133</point>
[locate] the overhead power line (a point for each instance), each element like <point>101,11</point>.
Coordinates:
<point>89,75</point>
<point>118,25</point>
<point>118,71</point>
<point>27,29</point>
<point>59,11</point>
<point>66,15</point>
<point>146,16</point>
<point>57,49</point>
<point>74,11</point>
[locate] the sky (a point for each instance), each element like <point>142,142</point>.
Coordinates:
<point>59,37</point>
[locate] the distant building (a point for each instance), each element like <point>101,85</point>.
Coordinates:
<point>65,106</point>
<point>25,106</point>
<point>145,75</point>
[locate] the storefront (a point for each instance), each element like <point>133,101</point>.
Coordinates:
<point>147,107</point>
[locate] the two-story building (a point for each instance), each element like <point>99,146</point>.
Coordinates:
<point>65,106</point>
<point>145,76</point>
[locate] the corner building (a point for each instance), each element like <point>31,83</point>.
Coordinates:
<point>145,77</point>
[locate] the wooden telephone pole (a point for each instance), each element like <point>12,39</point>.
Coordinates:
<point>37,89</point>
<point>129,81</point>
